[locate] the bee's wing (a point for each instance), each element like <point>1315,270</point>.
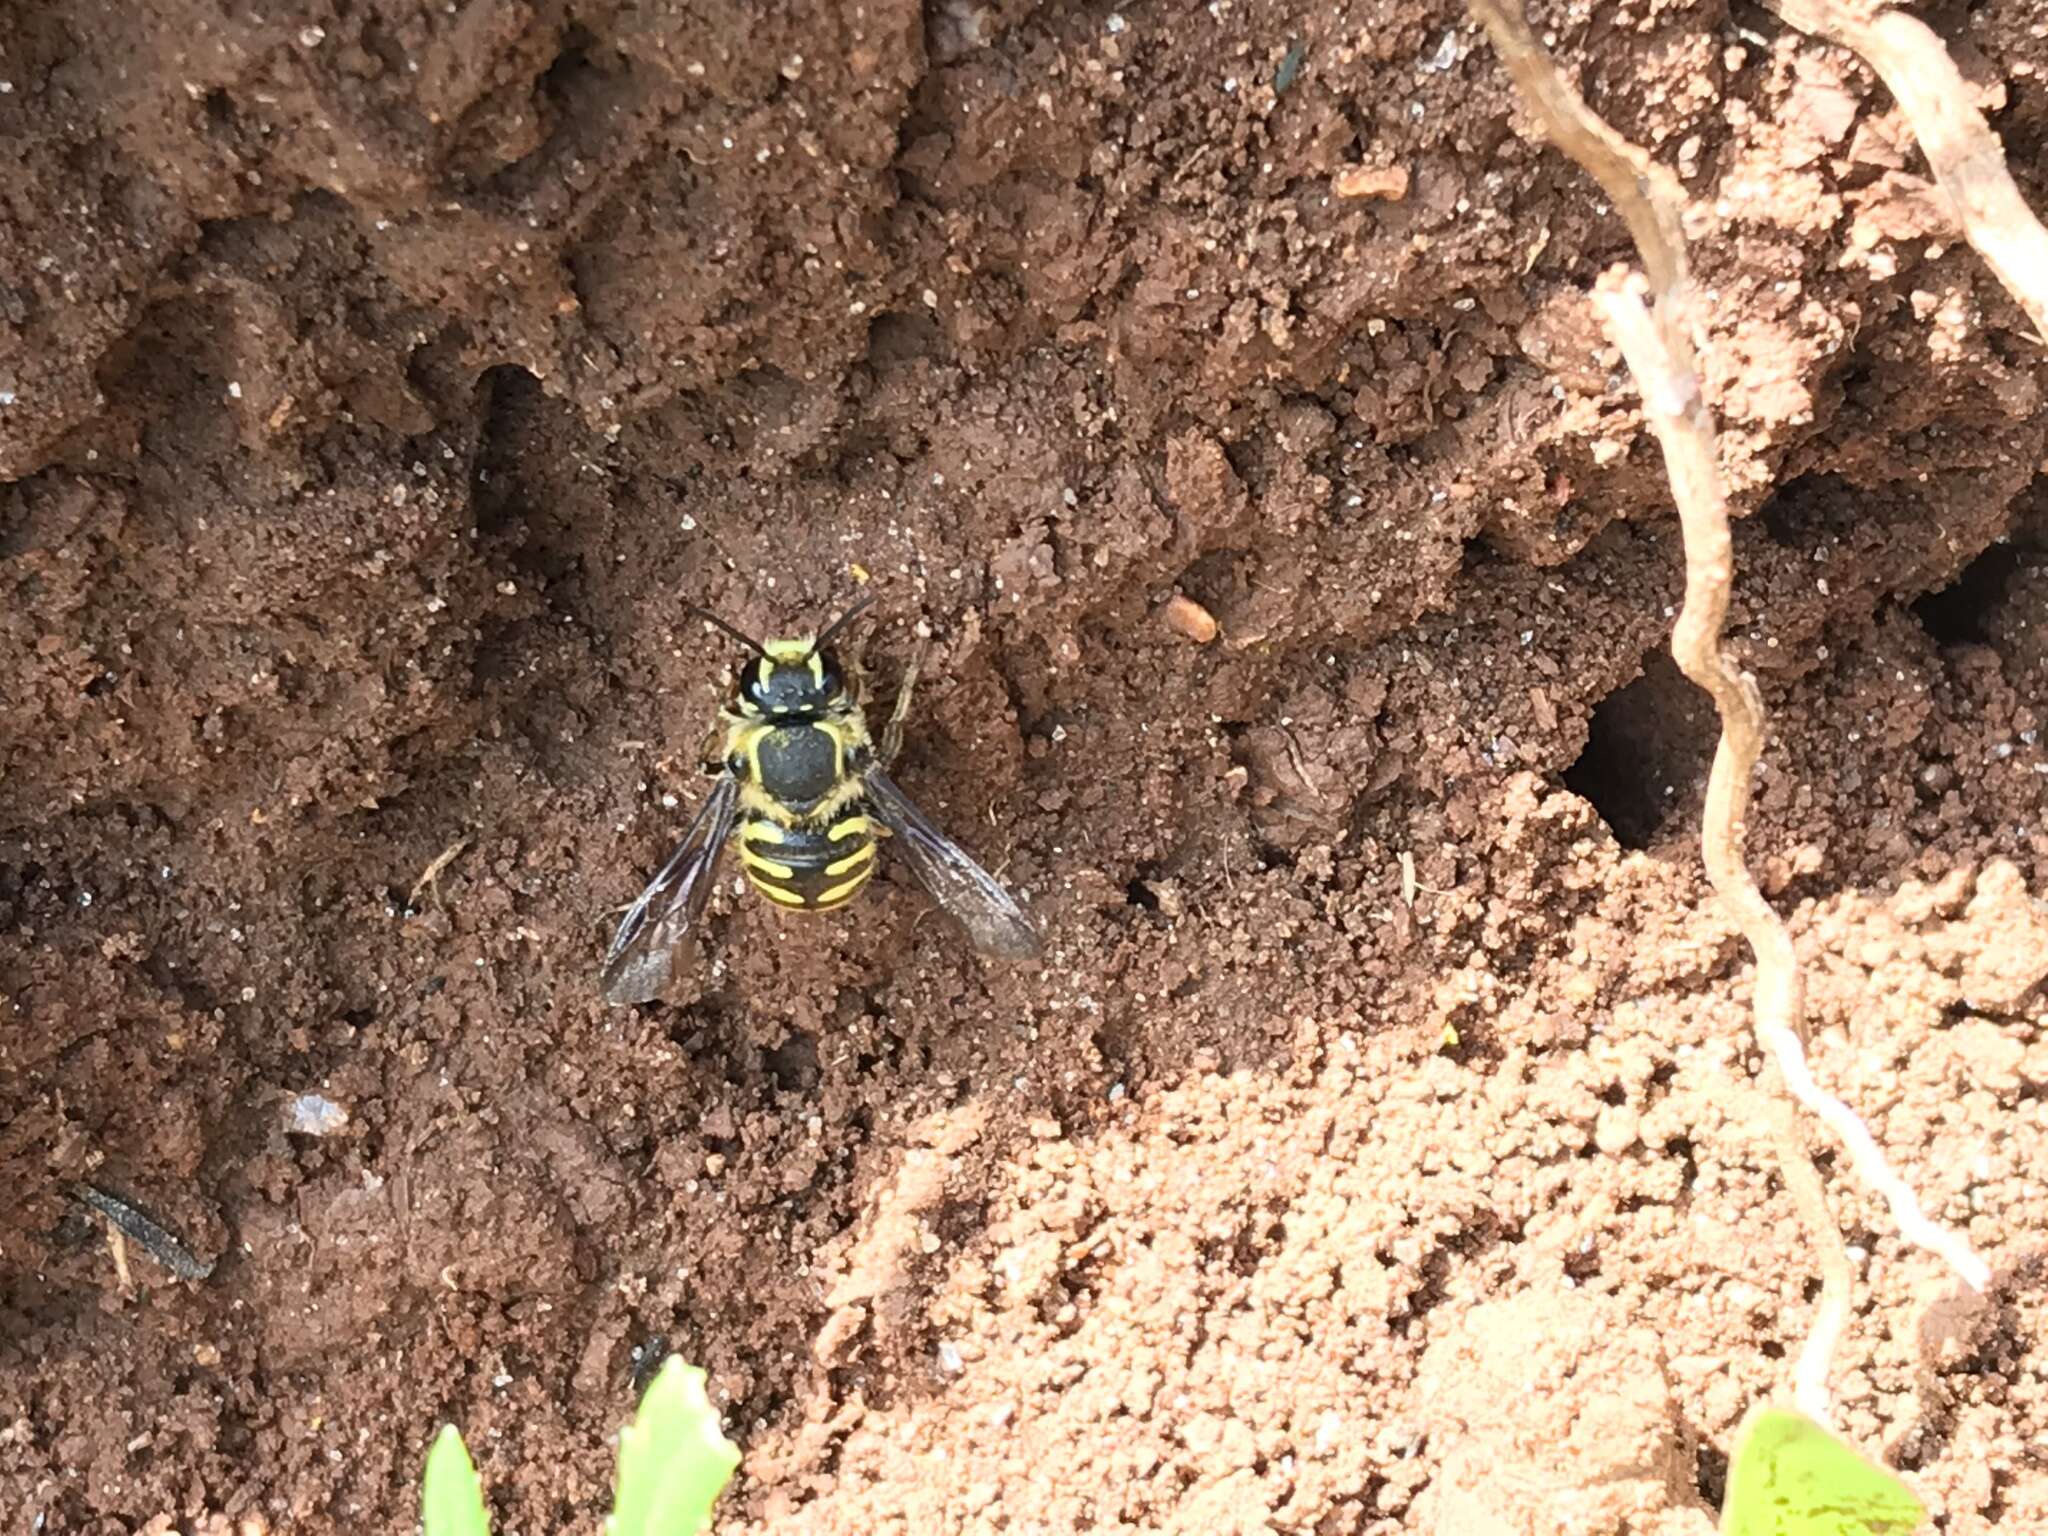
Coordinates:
<point>638,968</point>
<point>974,897</point>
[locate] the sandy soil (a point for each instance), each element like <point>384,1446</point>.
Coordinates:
<point>378,385</point>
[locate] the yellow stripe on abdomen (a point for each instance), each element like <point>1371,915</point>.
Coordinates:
<point>853,860</point>
<point>773,868</point>
<point>781,895</point>
<point>815,864</point>
<point>836,895</point>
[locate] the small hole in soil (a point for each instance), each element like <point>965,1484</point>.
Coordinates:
<point>1474,555</point>
<point>510,397</point>
<point>1649,743</point>
<point>1771,1349</point>
<point>1139,894</point>
<point>1710,1474</point>
<point>896,337</point>
<point>794,1063</point>
<point>1920,1446</point>
<point>1956,614</point>
<point>1681,1147</point>
<point>14,884</point>
<point>570,64</point>
<point>1809,511</point>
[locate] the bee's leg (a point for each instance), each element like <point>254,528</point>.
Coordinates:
<point>853,649</point>
<point>856,663</point>
<point>718,742</point>
<point>892,733</point>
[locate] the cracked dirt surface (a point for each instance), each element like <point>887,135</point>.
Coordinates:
<point>380,382</point>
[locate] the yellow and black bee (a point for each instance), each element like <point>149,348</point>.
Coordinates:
<point>803,783</point>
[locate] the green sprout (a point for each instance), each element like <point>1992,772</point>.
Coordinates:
<point>674,1462</point>
<point>1791,1477</point>
<point>452,1496</point>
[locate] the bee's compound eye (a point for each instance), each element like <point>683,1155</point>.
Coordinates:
<point>735,762</point>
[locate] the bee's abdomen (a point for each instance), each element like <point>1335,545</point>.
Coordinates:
<point>813,867</point>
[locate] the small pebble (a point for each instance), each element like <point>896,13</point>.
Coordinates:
<point>312,1115</point>
<point>1185,616</point>
<point>1389,182</point>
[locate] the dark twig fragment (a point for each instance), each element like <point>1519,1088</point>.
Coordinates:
<point>130,1222</point>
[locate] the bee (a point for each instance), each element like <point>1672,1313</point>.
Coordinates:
<point>804,786</point>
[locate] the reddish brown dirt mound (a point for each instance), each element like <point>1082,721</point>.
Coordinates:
<point>379,384</point>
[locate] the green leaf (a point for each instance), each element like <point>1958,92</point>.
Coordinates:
<point>673,1460</point>
<point>1790,1477</point>
<point>452,1496</point>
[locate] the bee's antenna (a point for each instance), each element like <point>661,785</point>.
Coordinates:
<point>842,621</point>
<point>747,640</point>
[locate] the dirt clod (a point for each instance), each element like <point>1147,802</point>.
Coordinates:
<point>1552,1412</point>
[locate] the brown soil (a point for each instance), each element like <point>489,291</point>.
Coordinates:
<point>378,385</point>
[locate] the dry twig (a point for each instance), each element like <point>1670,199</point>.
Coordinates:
<point>430,877</point>
<point>1966,157</point>
<point>1644,193</point>
<point>117,1245</point>
<point>1649,322</point>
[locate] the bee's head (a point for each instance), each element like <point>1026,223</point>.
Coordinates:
<point>792,679</point>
